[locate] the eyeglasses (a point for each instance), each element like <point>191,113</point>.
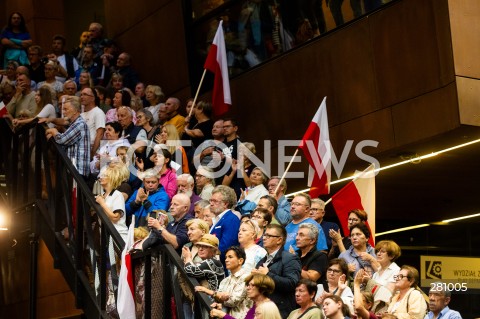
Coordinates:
<point>297,204</point>
<point>316,209</point>
<point>270,236</point>
<point>335,271</point>
<point>400,277</point>
<point>215,201</point>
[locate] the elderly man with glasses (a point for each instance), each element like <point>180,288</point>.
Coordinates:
<point>283,267</point>
<point>225,223</point>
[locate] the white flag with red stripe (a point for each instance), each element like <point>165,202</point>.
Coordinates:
<point>217,63</point>
<point>3,109</point>
<point>357,194</point>
<point>126,288</point>
<point>317,149</point>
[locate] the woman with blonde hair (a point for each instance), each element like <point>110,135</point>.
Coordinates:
<point>84,81</point>
<point>268,310</point>
<point>250,196</point>
<point>196,229</point>
<point>112,200</point>
<point>154,96</point>
<point>409,302</point>
<point>169,136</point>
<point>247,236</point>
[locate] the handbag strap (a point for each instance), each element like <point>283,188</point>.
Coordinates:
<point>303,314</point>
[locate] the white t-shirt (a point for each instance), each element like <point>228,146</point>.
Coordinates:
<point>48,111</point>
<point>95,119</point>
<point>154,110</point>
<point>115,201</point>
<point>254,254</point>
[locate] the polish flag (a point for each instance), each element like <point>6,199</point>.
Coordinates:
<point>126,288</point>
<point>316,146</point>
<point>3,109</point>
<point>217,63</point>
<point>358,194</point>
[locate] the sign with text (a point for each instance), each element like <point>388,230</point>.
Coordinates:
<point>457,274</point>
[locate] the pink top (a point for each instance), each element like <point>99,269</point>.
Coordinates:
<point>169,182</point>
<point>111,116</point>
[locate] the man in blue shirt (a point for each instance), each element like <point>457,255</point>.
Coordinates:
<point>283,208</point>
<point>300,213</point>
<point>317,212</point>
<point>439,298</point>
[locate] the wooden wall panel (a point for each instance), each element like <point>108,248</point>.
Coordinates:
<point>426,116</point>
<point>123,14</point>
<point>465,29</point>
<point>407,48</point>
<point>469,100</point>
<point>155,37</point>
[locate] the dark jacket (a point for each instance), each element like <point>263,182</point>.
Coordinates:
<point>285,270</point>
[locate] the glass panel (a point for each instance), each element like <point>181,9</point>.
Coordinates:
<point>258,30</point>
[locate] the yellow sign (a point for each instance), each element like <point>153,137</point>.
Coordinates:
<point>457,274</point>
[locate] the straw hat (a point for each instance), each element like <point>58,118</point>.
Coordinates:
<point>208,240</point>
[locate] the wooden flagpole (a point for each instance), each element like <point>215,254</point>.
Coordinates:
<point>286,171</point>
<point>198,91</point>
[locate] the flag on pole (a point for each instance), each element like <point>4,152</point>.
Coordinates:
<point>357,194</point>
<point>126,289</point>
<point>3,109</point>
<point>217,63</point>
<point>316,146</point>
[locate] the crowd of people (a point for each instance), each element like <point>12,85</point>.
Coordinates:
<point>189,182</point>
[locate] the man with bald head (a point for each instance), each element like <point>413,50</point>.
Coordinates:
<point>171,107</point>
<point>175,233</point>
<point>185,185</point>
<point>130,132</point>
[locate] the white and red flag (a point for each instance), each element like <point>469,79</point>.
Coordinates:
<point>357,194</point>
<point>316,146</point>
<point>217,63</point>
<point>126,288</point>
<point>3,109</point>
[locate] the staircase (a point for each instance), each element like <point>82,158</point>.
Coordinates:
<point>42,188</point>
